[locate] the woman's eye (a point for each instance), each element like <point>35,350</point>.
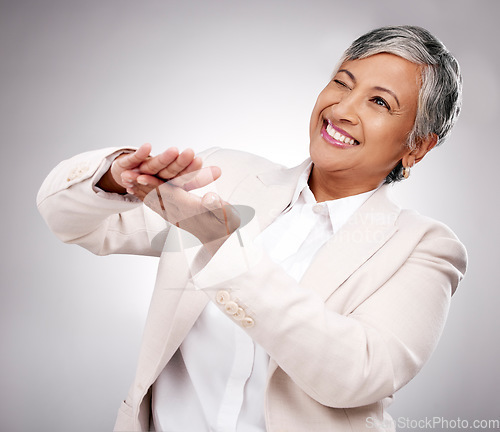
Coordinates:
<point>381,102</point>
<point>341,83</point>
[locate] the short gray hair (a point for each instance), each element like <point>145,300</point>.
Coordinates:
<point>440,96</point>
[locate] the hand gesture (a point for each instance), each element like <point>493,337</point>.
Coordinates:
<point>165,166</point>
<point>208,218</point>
<point>163,183</point>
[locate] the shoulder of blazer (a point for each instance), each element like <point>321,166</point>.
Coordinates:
<point>409,221</point>
<point>413,231</point>
<point>434,237</point>
<point>422,225</point>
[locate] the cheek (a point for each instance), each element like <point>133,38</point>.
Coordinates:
<point>390,135</point>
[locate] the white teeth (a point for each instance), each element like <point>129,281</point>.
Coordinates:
<point>338,136</point>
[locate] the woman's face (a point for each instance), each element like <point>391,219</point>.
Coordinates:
<point>362,118</point>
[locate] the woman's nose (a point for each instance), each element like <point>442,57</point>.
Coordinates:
<point>346,109</point>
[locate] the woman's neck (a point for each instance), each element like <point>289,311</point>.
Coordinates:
<point>331,186</point>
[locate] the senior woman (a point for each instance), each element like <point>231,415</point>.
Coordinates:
<point>312,297</point>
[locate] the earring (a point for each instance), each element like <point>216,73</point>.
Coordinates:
<point>406,172</point>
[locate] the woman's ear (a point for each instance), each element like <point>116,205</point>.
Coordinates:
<point>422,147</point>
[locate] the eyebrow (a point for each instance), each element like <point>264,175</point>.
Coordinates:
<point>383,89</point>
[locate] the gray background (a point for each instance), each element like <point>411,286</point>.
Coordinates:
<point>79,75</point>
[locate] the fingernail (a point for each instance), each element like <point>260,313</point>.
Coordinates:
<point>142,181</point>
<point>130,191</point>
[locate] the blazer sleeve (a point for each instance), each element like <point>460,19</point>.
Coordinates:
<point>104,223</point>
<point>342,360</point>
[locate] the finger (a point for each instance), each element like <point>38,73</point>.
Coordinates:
<point>204,177</point>
<point>178,165</point>
<point>128,177</point>
<point>153,186</point>
<point>138,184</point>
<point>135,159</point>
<point>132,190</point>
<point>157,163</point>
<point>149,181</point>
<point>200,178</point>
<point>195,165</point>
<point>148,191</point>
<point>132,177</point>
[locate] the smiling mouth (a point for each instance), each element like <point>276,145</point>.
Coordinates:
<point>334,136</point>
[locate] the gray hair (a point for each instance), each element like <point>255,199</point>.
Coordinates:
<point>440,96</point>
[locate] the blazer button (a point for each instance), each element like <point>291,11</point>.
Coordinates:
<point>239,315</point>
<point>247,322</point>
<point>231,307</point>
<point>222,297</point>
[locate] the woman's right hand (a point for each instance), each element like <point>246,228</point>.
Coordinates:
<point>163,183</point>
<point>165,166</point>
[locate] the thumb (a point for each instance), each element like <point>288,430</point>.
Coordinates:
<point>133,160</point>
<point>211,201</point>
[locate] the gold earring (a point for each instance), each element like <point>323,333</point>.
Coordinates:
<point>406,172</point>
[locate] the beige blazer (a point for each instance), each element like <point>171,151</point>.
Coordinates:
<point>360,324</point>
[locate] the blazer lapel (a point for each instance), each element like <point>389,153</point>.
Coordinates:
<point>363,234</point>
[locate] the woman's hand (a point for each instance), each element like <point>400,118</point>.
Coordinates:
<point>208,218</point>
<point>163,183</point>
<point>165,166</point>
<point>171,164</point>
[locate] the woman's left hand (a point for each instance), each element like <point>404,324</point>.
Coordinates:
<point>209,218</point>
